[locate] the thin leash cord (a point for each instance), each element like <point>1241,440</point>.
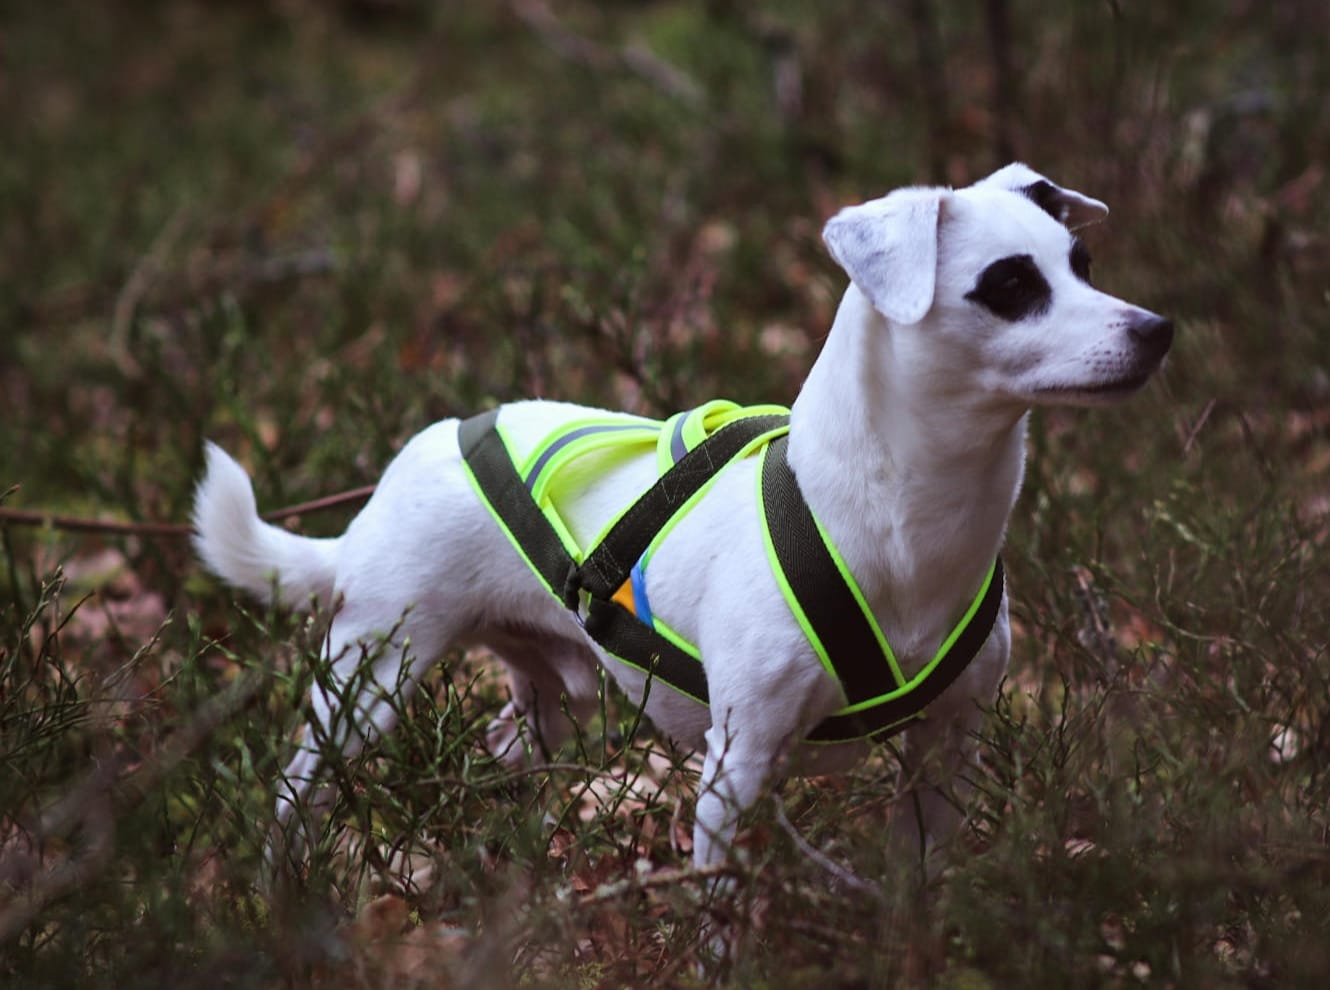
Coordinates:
<point>79,524</point>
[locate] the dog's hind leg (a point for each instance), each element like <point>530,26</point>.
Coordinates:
<point>939,766</point>
<point>933,784</point>
<point>936,778</point>
<point>369,673</point>
<point>554,687</point>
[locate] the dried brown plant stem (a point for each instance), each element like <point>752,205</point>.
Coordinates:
<point>77,524</point>
<point>91,806</point>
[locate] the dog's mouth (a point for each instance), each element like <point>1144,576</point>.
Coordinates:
<point>1096,391</point>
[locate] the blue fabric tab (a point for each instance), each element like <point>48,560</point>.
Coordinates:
<point>640,604</point>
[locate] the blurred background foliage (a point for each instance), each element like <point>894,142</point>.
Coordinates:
<point>307,229</point>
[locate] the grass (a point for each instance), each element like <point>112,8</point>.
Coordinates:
<point>306,230</point>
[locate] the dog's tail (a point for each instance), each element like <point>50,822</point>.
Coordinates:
<point>248,553</point>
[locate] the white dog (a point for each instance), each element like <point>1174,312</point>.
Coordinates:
<point>965,308</point>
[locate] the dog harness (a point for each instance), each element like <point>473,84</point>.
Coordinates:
<point>604,585</point>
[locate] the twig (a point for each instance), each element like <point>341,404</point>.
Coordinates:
<point>319,504</point>
<point>638,58</point>
<point>635,58</point>
<point>511,776</point>
<point>1097,634</point>
<point>92,804</point>
<point>140,280</point>
<point>661,878</point>
<point>1257,448</point>
<point>79,302</point>
<point>70,874</point>
<point>842,874</point>
<point>76,524</point>
<point>236,277</point>
<point>1201,420</point>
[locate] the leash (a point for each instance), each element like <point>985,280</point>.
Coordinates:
<point>813,578</point>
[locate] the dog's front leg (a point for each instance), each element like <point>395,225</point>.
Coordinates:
<point>738,768</point>
<point>734,775</point>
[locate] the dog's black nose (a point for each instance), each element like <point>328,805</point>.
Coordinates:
<point>1154,332</point>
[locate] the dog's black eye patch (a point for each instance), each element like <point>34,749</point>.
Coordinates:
<point>1080,260</point>
<point>1048,198</point>
<point>1012,288</point>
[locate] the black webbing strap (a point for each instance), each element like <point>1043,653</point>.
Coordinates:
<point>611,562</point>
<point>834,613</point>
<point>890,717</point>
<point>608,565</point>
<point>893,716</point>
<point>497,476</point>
<point>828,604</point>
<point>827,601</point>
<point>634,642</point>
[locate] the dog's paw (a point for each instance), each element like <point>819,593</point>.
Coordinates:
<point>505,738</point>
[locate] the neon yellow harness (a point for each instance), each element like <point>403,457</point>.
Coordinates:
<point>605,583</point>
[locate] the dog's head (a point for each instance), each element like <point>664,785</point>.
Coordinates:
<point>992,287</point>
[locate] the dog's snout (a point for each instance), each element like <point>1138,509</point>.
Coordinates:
<point>1154,332</point>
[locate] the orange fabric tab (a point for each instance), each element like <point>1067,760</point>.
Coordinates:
<point>624,596</point>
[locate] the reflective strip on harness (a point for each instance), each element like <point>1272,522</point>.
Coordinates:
<point>608,576</point>
<point>503,491</point>
<point>839,625</point>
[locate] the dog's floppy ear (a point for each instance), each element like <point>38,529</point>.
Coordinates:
<point>1066,206</point>
<point>888,247</point>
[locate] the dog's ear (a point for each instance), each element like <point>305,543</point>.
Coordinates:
<point>1066,206</point>
<point>888,247</point>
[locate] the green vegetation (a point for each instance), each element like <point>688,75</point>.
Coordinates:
<point>308,229</point>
